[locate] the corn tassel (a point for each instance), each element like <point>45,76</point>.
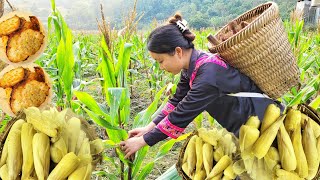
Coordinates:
<point>262,145</point>
<point>27,133</point>
<point>286,151</point>
<point>65,167</point>
<point>41,155</point>
<point>309,143</point>
<point>270,116</point>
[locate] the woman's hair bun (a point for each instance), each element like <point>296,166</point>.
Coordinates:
<point>174,19</point>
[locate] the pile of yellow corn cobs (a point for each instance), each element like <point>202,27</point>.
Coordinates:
<point>208,155</point>
<point>285,146</point>
<point>46,145</point>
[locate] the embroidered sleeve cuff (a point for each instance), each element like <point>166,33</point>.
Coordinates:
<point>154,136</point>
<point>168,108</point>
<point>166,127</point>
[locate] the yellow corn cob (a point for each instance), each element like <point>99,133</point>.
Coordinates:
<point>217,177</point>
<point>58,150</point>
<point>82,136</point>
<point>192,157</point>
<point>286,151</point>
<point>226,178</point>
<point>200,175</point>
<point>96,146</point>
<point>248,135</point>
<point>218,153</point>
<point>207,157</point>
<point>309,143</point>
<point>272,158</point>
<point>284,175</point>
<point>14,160</point>
<point>238,167</point>
<point>17,125</point>
<point>221,165</point>
<point>27,133</point>
<point>318,147</point>
<point>73,129</point>
<point>199,144</point>
<point>33,116</point>
<point>227,144</point>
<point>186,169</point>
<point>4,172</point>
<point>270,116</point>
<point>85,147</point>
<point>211,136</point>
<point>83,173</point>
<point>41,155</point>
<point>185,157</point>
<point>302,165</point>
<point>228,172</point>
<point>292,120</point>
<point>262,145</point>
<point>253,121</point>
<point>65,167</point>
<point>315,126</point>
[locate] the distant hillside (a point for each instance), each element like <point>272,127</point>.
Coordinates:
<point>81,15</point>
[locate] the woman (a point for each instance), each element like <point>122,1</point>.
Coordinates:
<point>207,83</point>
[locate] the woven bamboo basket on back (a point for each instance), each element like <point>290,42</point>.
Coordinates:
<point>261,50</point>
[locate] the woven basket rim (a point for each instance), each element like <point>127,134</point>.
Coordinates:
<point>254,24</point>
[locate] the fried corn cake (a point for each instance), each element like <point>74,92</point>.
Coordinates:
<point>38,75</point>
<point>13,77</point>
<point>24,44</point>
<point>10,25</point>
<point>28,94</point>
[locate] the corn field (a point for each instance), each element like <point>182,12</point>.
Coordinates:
<point>109,78</point>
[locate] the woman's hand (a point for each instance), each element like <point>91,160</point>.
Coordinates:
<point>137,132</point>
<point>132,145</point>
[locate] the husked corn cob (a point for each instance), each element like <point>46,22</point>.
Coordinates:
<point>221,165</point>
<point>309,143</point>
<point>4,172</point>
<point>96,146</point>
<point>262,145</point>
<point>199,144</point>
<point>318,147</point>
<point>228,172</point>
<point>217,177</point>
<point>270,116</point>
<point>272,158</point>
<point>302,165</point>
<point>284,175</point>
<point>65,167</point>
<point>82,136</point>
<point>41,155</point>
<point>227,144</point>
<point>211,136</point>
<point>218,153</point>
<point>254,122</point>
<point>17,125</point>
<point>83,172</point>
<point>192,157</point>
<point>14,160</point>
<point>33,116</point>
<point>238,167</point>
<point>186,169</point>
<point>315,126</point>
<point>200,175</point>
<point>27,133</point>
<point>73,129</point>
<point>292,120</point>
<point>207,157</point>
<point>226,178</point>
<point>85,147</point>
<point>248,135</point>
<point>58,150</point>
<point>286,151</point>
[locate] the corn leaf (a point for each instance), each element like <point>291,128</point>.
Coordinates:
<point>88,100</point>
<point>100,121</point>
<point>115,95</point>
<point>141,154</point>
<point>145,171</point>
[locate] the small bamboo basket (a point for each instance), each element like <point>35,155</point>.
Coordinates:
<point>85,126</point>
<point>261,50</point>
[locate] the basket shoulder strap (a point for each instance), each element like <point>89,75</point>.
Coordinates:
<point>249,94</point>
